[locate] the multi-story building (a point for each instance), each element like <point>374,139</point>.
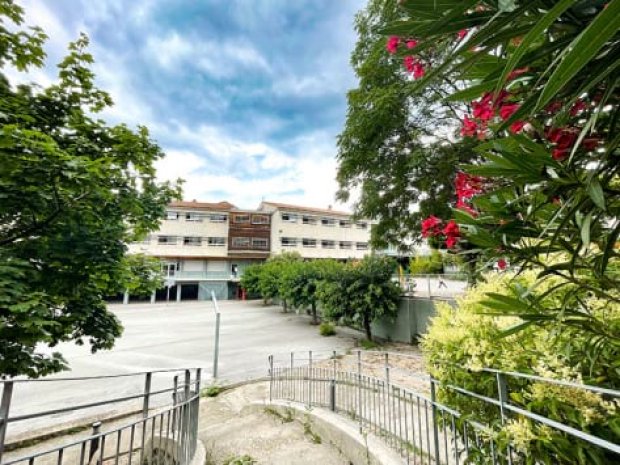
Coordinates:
<point>205,247</point>
<point>316,232</point>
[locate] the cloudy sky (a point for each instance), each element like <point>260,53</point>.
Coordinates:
<point>245,96</point>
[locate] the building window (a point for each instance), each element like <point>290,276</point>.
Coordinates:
<point>217,218</point>
<point>241,218</point>
<point>260,219</point>
<point>192,240</point>
<point>166,240</point>
<point>170,268</point>
<point>288,242</point>
<point>241,242</point>
<point>216,241</point>
<point>328,244</point>
<point>345,224</point>
<point>361,225</point>
<point>146,240</point>
<point>260,243</point>
<point>308,220</point>
<point>289,217</point>
<point>346,244</point>
<point>172,216</point>
<point>192,216</point>
<point>308,242</point>
<point>328,222</point>
<point>361,246</point>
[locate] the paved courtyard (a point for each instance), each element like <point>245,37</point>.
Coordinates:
<point>174,335</point>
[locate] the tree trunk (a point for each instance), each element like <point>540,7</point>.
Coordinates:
<point>315,319</point>
<point>367,328</point>
<point>284,306</point>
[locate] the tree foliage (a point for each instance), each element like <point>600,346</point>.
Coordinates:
<point>542,82</point>
<point>361,292</point>
<point>73,192</point>
<point>395,147</point>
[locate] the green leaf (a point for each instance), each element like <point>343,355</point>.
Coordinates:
<point>531,37</point>
<point>582,50</point>
<point>585,229</point>
<point>596,193</point>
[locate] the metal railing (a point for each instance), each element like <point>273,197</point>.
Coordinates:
<point>432,285</point>
<point>162,435</point>
<point>407,415</point>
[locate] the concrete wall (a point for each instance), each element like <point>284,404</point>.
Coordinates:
<point>411,322</point>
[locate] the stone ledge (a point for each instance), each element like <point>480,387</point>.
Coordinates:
<point>342,433</point>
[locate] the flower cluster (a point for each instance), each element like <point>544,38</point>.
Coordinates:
<point>432,227</point>
<point>487,108</point>
<point>466,187</point>
<point>411,63</point>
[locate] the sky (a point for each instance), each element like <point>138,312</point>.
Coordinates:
<point>246,97</point>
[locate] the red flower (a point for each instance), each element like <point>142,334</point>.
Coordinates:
<point>461,205</point>
<point>562,137</point>
<point>431,226</point>
<point>462,33</point>
<point>553,107</point>
<point>578,107</point>
<point>418,70</point>
<point>482,110</point>
<point>408,62</point>
<point>517,127</point>
<point>469,127</point>
<point>451,242</point>
<point>501,264</point>
<point>411,43</point>
<point>452,229</point>
<point>467,186</point>
<point>507,110</point>
<point>392,44</point>
<point>559,154</point>
<point>517,72</point>
<point>591,143</point>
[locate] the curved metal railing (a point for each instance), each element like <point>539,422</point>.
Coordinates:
<point>158,433</point>
<point>401,406</point>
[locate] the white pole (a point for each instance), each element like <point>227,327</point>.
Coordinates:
<point>216,350</point>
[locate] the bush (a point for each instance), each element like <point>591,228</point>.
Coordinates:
<point>427,264</point>
<point>467,336</point>
<point>212,391</point>
<point>327,329</point>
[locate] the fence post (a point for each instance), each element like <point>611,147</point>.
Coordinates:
<point>502,394</point>
<point>94,442</point>
<point>198,376</point>
<point>270,377</point>
<point>175,388</point>
<point>310,379</point>
<point>5,404</point>
<point>147,394</point>
<point>359,387</point>
<point>434,416</point>
<point>428,282</point>
<point>387,368</point>
<point>216,350</point>
<point>332,395</point>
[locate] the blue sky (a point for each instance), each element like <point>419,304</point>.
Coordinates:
<point>245,96</point>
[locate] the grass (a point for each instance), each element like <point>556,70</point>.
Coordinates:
<point>240,460</point>
<point>212,391</point>
<point>327,329</point>
<point>315,438</point>
<point>367,344</point>
<point>287,417</point>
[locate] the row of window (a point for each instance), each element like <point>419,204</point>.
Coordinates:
<point>250,243</point>
<point>331,222</point>
<point>191,240</point>
<point>325,244</point>
<point>241,218</point>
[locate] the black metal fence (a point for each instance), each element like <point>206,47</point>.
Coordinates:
<point>410,419</point>
<point>165,435</point>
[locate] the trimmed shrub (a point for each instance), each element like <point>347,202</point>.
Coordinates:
<point>327,329</point>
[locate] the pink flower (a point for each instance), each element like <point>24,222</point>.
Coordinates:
<point>501,264</point>
<point>462,33</point>
<point>418,70</point>
<point>517,127</point>
<point>482,110</point>
<point>559,154</point>
<point>392,44</point>
<point>411,43</point>
<point>409,62</point>
<point>507,110</point>
<point>461,205</point>
<point>451,242</point>
<point>431,226</point>
<point>452,229</point>
<point>469,127</point>
<point>467,186</point>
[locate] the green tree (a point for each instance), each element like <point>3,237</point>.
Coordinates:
<point>250,280</point>
<point>395,148</point>
<point>362,292</point>
<point>542,82</point>
<point>143,274</point>
<point>73,192</point>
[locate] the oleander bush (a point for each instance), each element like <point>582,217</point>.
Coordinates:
<point>463,339</point>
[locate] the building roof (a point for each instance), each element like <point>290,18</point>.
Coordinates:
<point>284,206</point>
<point>218,206</point>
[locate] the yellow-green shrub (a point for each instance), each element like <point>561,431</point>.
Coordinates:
<point>463,339</point>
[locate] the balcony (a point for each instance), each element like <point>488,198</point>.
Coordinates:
<point>205,276</point>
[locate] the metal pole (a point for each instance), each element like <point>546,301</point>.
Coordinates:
<point>428,282</point>
<point>147,394</point>
<point>216,349</point>
<point>310,379</point>
<point>387,368</point>
<point>94,443</point>
<point>7,393</point>
<point>270,377</point>
<point>434,420</point>
<point>332,395</point>
<point>174,402</point>
<point>359,387</point>
<point>502,393</point>
<point>198,377</point>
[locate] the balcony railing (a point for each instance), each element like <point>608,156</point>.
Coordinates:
<point>205,275</point>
